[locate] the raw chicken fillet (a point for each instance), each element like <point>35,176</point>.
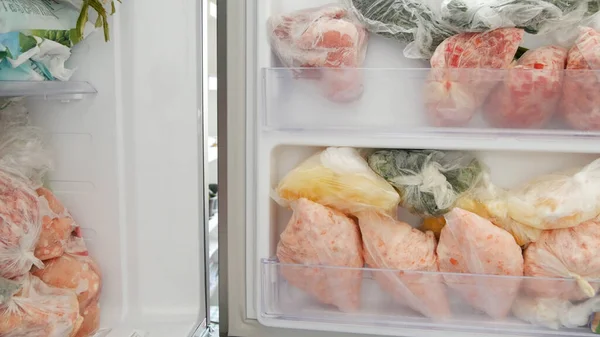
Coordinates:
<point>324,37</point>
<point>390,244</point>
<point>319,236</point>
<point>471,244</point>
<point>462,73</point>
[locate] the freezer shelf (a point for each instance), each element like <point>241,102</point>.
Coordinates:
<point>389,311</point>
<point>425,101</point>
<point>70,90</point>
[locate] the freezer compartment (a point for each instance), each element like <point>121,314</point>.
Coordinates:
<point>391,300</point>
<point>422,101</point>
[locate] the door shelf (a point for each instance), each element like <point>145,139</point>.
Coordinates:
<point>393,101</point>
<point>55,90</point>
<point>388,311</point>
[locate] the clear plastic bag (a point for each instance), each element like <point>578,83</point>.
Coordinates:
<point>529,95</point>
<point>318,235</point>
<point>320,37</point>
<point>429,181</point>
<point>559,200</point>
<point>473,245</point>
<point>580,103</point>
<point>415,22</point>
<point>391,244</point>
<point>462,74</point>
<point>39,310</point>
<point>57,226</point>
<point>339,178</point>
<point>554,313</point>
<point>565,253</point>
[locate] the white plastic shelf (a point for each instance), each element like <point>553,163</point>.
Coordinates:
<point>57,90</point>
<point>284,304</point>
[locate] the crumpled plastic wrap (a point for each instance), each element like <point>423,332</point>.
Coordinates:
<point>559,200</point>
<point>323,37</point>
<point>529,95</point>
<point>57,226</point>
<point>338,177</point>
<point>462,74</point>
<point>39,310</point>
<point>390,244</point>
<point>320,236</point>
<point>416,22</point>
<point>565,253</point>
<point>429,181</point>
<point>580,103</point>
<point>554,313</point>
<point>473,245</point>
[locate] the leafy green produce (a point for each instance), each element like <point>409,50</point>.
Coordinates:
<point>429,181</point>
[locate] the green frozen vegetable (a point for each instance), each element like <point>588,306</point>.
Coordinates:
<point>8,289</point>
<point>429,181</point>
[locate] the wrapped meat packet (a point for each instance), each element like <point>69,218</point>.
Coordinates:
<point>565,253</point>
<point>462,73</point>
<point>57,226</point>
<point>323,37</point>
<point>8,289</point>
<point>390,244</point>
<point>580,104</point>
<point>559,200</point>
<point>471,244</point>
<point>529,95</point>
<point>318,237</point>
<point>338,177</point>
<point>429,181</point>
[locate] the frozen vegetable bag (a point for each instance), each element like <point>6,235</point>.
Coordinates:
<point>462,73</point>
<point>323,37</point>
<point>395,245</point>
<point>318,237</point>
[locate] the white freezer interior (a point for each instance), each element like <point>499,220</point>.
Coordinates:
<point>513,158</point>
<point>127,165</point>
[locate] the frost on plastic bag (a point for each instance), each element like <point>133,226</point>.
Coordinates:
<point>529,95</point>
<point>554,313</point>
<point>57,226</point>
<point>339,178</point>
<point>23,161</point>
<point>580,103</point>
<point>412,21</point>
<point>76,271</point>
<point>462,74</point>
<point>319,236</point>
<point>429,181</point>
<point>39,310</point>
<point>559,200</point>
<point>473,245</point>
<point>390,244</point>
<point>323,37</point>
<point>565,253</point>
<point>535,16</point>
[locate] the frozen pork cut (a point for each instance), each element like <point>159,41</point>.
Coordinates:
<point>391,244</point>
<point>580,104</point>
<point>565,253</point>
<point>460,79</point>
<point>57,226</point>
<point>471,244</point>
<point>323,37</point>
<point>529,95</point>
<point>319,236</point>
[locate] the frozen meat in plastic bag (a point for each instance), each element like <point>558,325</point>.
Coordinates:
<point>429,181</point>
<point>390,244</point>
<point>471,244</point>
<point>57,226</point>
<point>462,73</point>
<point>323,37</point>
<point>554,313</point>
<point>39,310</point>
<point>565,253</point>
<point>338,177</point>
<point>529,95</point>
<point>415,22</point>
<point>316,237</point>
<point>580,104</point>
<point>559,200</point>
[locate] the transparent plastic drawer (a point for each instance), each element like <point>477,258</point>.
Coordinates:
<point>516,101</point>
<point>377,298</point>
